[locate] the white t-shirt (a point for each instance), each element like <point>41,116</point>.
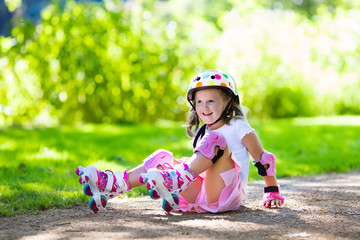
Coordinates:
<point>234,133</point>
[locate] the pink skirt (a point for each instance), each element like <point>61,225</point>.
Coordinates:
<point>230,198</point>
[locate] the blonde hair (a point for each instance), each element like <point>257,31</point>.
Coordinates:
<point>235,111</point>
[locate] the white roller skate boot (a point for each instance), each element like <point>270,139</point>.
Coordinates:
<point>102,185</point>
<point>168,184</point>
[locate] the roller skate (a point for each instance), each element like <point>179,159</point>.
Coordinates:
<point>102,186</point>
<point>168,184</point>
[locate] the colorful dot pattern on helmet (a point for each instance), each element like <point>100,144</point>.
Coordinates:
<point>212,78</point>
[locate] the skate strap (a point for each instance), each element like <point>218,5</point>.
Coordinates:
<point>122,181</point>
<point>97,199</point>
<point>187,175</point>
<point>110,182</point>
<point>174,179</point>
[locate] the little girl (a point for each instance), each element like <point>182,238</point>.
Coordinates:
<point>214,178</point>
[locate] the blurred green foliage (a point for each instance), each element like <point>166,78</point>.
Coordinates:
<point>310,8</point>
<point>118,62</point>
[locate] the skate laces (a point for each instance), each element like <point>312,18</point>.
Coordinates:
<point>168,179</point>
<point>124,179</point>
<point>101,184</point>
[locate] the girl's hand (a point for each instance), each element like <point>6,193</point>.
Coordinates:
<point>273,200</point>
<point>275,203</point>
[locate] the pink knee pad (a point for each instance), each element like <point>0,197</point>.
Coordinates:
<point>159,158</point>
<point>209,142</point>
<point>269,158</point>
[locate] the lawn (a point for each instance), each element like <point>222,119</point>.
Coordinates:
<point>37,167</point>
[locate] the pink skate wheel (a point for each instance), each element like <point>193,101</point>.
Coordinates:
<point>92,204</point>
<point>87,190</point>
<point>154,195</point>
<point>166,205</point>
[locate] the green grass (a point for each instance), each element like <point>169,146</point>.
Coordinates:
<point>37,167</point>
<point>306,146</point>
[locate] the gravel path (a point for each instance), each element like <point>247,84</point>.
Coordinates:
<point>317,207</point>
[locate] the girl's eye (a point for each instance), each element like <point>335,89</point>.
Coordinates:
<point>211,101</point>
<point>198,101</point>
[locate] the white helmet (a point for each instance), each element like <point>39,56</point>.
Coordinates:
<point>213,79</point>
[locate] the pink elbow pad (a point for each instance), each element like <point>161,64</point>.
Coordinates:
<point>159,158</point>
<point>209,142</point>
<point>269,158</point>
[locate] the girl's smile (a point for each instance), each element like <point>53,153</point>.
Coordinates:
<point>209,104</point>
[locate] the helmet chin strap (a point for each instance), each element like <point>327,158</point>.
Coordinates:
<point>223,114</point>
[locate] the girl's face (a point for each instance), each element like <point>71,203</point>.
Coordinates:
<point>209,104</point>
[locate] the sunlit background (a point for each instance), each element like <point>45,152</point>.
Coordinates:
<point>112,61</point>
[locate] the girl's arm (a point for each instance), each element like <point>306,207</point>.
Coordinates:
<point>254,147</point>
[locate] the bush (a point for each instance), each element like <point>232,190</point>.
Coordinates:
<point>97,63</point>
<point>119,62</point>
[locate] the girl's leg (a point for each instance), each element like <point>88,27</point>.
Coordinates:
<point>214,184</point>
<point>197,163</point>
<point>190,193</point>
<point>134,174</point>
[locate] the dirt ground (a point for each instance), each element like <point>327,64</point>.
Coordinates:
<point>317,207</point>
